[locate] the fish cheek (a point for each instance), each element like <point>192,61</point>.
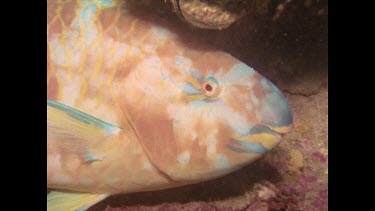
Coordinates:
<point>155,132</point>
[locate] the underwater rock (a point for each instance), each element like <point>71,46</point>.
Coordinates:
<point>213,14</point>
<point>296,160</point>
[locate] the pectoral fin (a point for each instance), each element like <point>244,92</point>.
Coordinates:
<point>76,132</point>
<point>71,201</point>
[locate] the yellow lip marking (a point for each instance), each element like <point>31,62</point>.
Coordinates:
<point>284,129</point>
<point>267,140</point>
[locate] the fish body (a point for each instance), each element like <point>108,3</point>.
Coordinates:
<point>133,106</point>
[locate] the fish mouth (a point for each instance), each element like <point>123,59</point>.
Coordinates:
<point>259,140</point>
<point>275,120</point>
<point>280,130</point>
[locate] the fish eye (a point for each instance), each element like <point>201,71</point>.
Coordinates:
<point>210,87</point>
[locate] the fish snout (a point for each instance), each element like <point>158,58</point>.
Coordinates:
<point>275,112</point>
<point>274,119</point>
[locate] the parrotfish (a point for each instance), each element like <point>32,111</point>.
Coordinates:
<point>132,106</point>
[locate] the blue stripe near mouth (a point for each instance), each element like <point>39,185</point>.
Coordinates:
<point>247,147</point>
<point>190,89</point>
<point>257,129</point>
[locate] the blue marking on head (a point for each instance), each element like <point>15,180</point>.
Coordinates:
<point>247,147</point>
<point>190,89</point>
<point>87,13</point>
<point>213,80</point>
<point>196,74</point>
<point>106,3</point>
<point>197,103</point>
<point>178,61</point>
<point>276,105</point>
<point>237,73</point>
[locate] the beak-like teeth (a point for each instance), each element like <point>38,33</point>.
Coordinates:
<point>275,110</point>
<point>282,130</point>
<point>275,118</point>
<point>259,140</point>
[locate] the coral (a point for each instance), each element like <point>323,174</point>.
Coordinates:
<point>296,160</point>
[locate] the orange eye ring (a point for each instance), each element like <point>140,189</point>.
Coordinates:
<point>210,89</point>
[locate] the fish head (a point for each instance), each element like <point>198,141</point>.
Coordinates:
<point>198,123</point>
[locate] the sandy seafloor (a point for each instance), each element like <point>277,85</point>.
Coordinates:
<point>292,53</point>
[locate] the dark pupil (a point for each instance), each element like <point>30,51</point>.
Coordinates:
<point>208,87</point>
